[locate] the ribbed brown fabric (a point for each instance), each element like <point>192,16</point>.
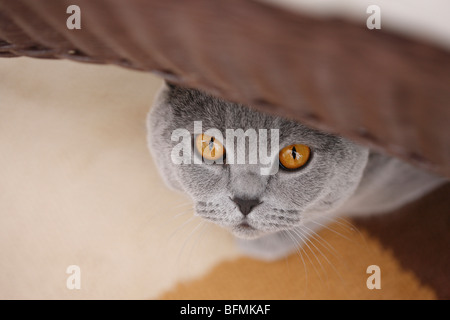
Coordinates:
<point>377,88</point>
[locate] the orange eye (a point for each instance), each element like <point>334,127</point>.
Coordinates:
<point>209,147</point>
<point>294,156</point>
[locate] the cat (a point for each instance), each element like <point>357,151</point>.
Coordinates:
<point>337,176</point>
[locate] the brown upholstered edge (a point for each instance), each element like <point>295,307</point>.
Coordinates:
<point>377,88</point>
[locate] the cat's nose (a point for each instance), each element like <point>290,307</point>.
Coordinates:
<point>246,205</point>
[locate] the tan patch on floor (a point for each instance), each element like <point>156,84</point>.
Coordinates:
<point>246,278</point>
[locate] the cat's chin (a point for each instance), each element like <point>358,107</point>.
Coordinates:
<point>245,231</point>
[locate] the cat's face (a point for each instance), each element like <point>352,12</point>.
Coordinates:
<point>237,196</point>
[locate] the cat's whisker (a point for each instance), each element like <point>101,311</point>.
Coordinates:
<point>298,248</point>
<point>327,246</point>
<point>347,226</point>
<point>181,227</point>
<point>285,232</point>
<point>332,230</point>
<point>324,256</point>
<point>182,213</point>
<point>307,255</point>
<point>344,221</point>
<point>314,265</point>
<point>320,240</point>
<point>202,232</point>
<point>164,221</point>
<point>189,236</point>
<point>301,235</point>
<point>353,228</point>
<point>285,258</point>
<point>168,218</point>
<point>183,204</point>
<point>207,227</point>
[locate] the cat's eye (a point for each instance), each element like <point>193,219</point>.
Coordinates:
<point>209,147</point>
<point>294,156</point>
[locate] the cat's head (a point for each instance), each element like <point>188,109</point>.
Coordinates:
<point>324,169</point>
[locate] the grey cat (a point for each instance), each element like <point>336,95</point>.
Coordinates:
<point>339,178</point>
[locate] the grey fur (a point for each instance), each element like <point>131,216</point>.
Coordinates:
<point>342,178</point>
